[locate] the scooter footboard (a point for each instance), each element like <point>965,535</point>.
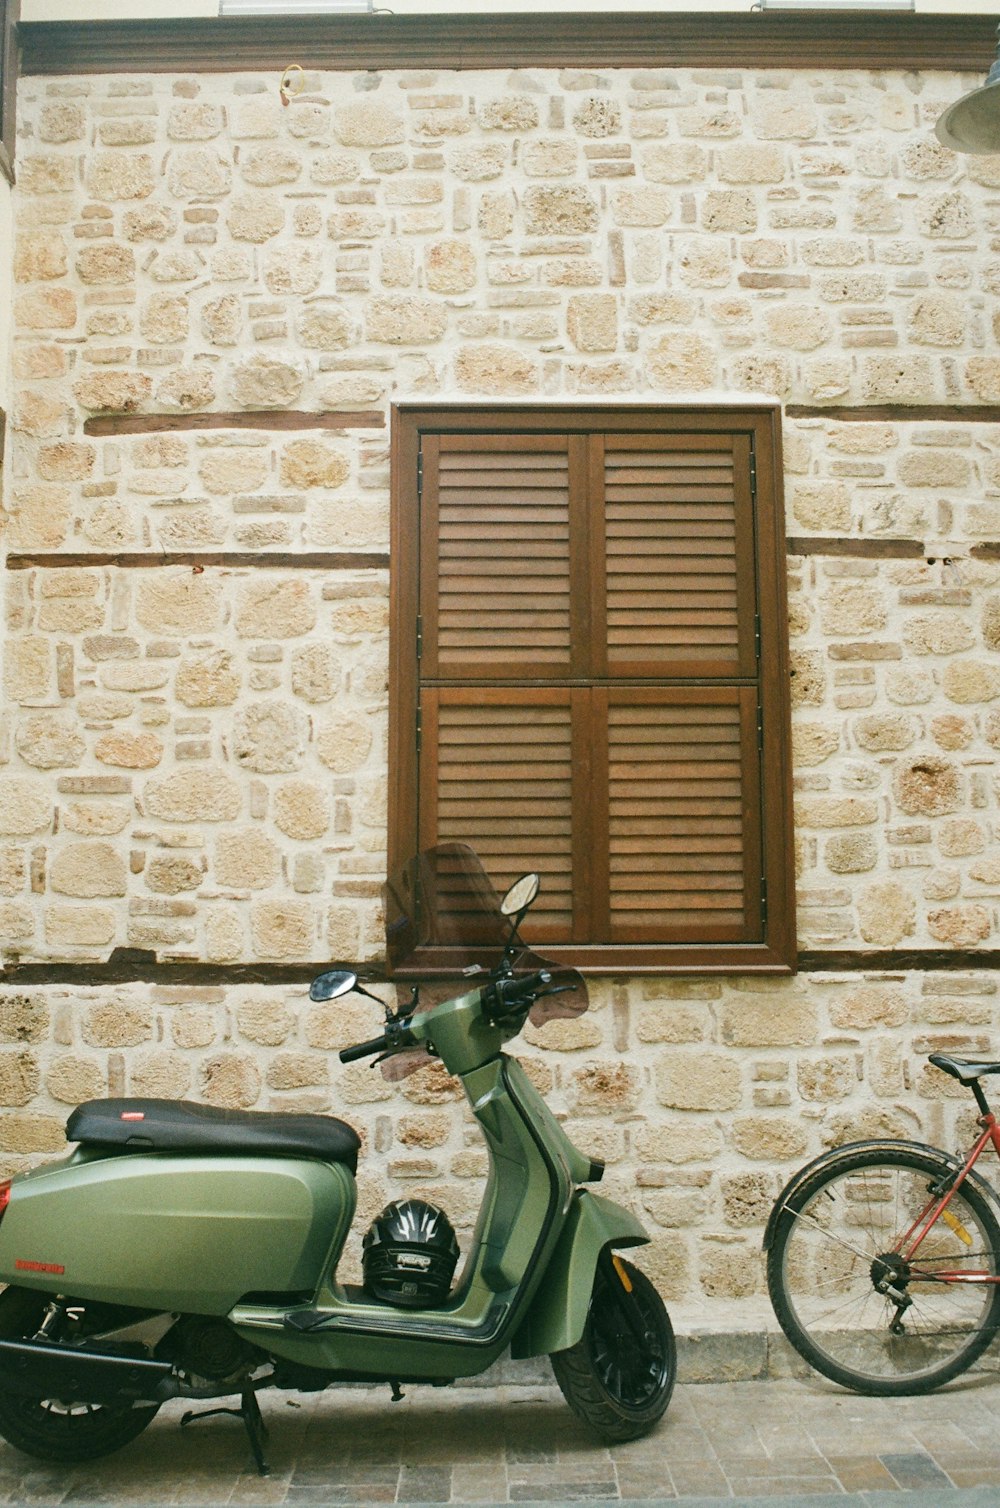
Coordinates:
<point>558,1311</point>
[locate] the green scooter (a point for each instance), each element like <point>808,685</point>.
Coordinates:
<point>185,1251</point>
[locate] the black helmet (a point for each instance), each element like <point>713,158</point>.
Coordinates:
<point>410,1253</point>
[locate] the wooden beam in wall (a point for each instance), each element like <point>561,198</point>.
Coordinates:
<point>734,39</point>
<point>301,560</point>
<point>280,419</point>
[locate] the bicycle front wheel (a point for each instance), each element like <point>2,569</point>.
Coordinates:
<point>837,1248</point>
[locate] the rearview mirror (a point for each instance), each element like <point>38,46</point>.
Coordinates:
<point>332,985</point>
<point>520,895</point>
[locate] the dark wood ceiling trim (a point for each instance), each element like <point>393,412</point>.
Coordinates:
<point>825,39</point>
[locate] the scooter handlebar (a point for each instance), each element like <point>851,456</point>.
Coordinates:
<point>363,1049</point>
<point>508,995</point>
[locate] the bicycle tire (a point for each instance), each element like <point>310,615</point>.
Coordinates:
<point>823,1264</point>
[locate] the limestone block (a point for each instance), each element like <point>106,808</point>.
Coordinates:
<point>747,1198</point>
<point>49,741</point>
<point>825,1079</point>
<point>937,319</point>
<point>676,162</point>
<point>187,388</point>
<point>195,120</point>
<point>106,262</point>
<point>111,1022</point>
<point>982,373</point>
<point>120,176</point>
<point>297,1070</point>
<point>729,210</point>
<point>852,608</point>
<point>71,1079</point>
<point>450,267</point>
<point>960,926</point>
<point>116,392</point>
<point>24,1017</point>
<point>934,468</point>
<point>25,805</point>
<point>164,319</point>
<point>170,874</point>
<point>222,320</point>
<point>79,926</point>
<point>41,517</point>
<point>224,934</point>
<point>245,860</point>
<point>851,853</point>
<point>325,327</point>
<point>928,787</point>
<point>313,463</point>
<point>31,1132</point>
<point>316,672</point>
<point>160,1075</point>
<point>60,121</point>
<point>592,321</point>
<point>149,222</point>
<point>780,115</point>
<point>801,327</point>
<point>45,309</point>
<point>948,216</point>
<point>509,112</point>
<point>268,609</point>
<point>261,381</point>
<point>127,131</point>
<point>27,671</point>
<point>88,870</point>
<point>886,914</point>
<point>706,1081</point>
<point>283,929</point>
<point>269,737</point>
<point>812,743</point>
<point>129,751</point>
<point>368,123</point>
<point>293,270</point>
<point>970,681</point>
<point>231,1080</point>
<point>195,795</point>
<point>344,745</point>
<point>39,256</point>
<point>403,320</point>
<point>704,263</point>
<point>17,921</point>
<point>178,602</point>
<point>266,1021</point>
<point>769,1138</point>
<point>681,362</point>
<point>485,160</point>
<point>559,210</point>
<point>597,117</point>
<point>66,461</point>
<point>898,379</point>
<point>496,370</point>
<point>198,173</point>
<point>45,174</point>
<point>301,810</point>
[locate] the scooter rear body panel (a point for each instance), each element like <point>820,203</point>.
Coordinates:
<point>194,1234</point>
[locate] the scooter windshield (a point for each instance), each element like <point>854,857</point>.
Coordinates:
<point>444,923</point>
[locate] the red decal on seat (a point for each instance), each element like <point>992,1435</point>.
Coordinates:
<point>133,1115</point>
<point>39,1266</point>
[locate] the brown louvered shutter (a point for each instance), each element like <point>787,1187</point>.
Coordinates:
<point>597,605</point>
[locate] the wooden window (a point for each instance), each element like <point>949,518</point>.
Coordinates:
<point>589,672</point>
<point>9,11</point>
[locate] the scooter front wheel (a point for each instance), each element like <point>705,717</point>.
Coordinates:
<point>52,1429</point>
<point>619,1376</point>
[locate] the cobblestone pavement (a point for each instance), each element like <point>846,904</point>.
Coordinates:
<point>748,1441</point>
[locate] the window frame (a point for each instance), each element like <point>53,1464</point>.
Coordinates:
<point>411,423</point>
<point>10,11</point>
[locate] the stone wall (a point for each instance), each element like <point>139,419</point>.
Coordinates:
<point>193,744</point>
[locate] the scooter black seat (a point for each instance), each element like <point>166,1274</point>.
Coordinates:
<point>182,1126</point>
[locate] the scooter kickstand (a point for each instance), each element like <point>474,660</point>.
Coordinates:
<point>249,1412</point>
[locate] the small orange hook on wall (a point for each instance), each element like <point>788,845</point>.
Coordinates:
<point>288,76</point>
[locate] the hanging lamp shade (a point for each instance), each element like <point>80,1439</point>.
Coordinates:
<point>972,124</point>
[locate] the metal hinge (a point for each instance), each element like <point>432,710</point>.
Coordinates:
<point>763,898</point>
<point>420,730</point>
<point>420,637</point>
<point>756,635</point>
<point>753,474</point>
<point>420,473</point>
<point>760,729</point>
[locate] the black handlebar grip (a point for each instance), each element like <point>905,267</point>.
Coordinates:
<point>363,1049</point>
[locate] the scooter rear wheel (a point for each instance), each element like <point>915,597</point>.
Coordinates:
<point>52,1429</point>
<point>619,1376</point>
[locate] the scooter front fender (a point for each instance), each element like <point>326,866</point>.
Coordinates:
<point>558,1311</point>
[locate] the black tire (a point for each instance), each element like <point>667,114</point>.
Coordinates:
<point>826,1257</point>
<point>54,1429</point>
<point>612,1381</point>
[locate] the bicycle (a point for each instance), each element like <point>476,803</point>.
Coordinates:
<point>883,1257</point>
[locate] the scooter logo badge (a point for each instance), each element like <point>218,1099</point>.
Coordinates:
<point>23,1266</point>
